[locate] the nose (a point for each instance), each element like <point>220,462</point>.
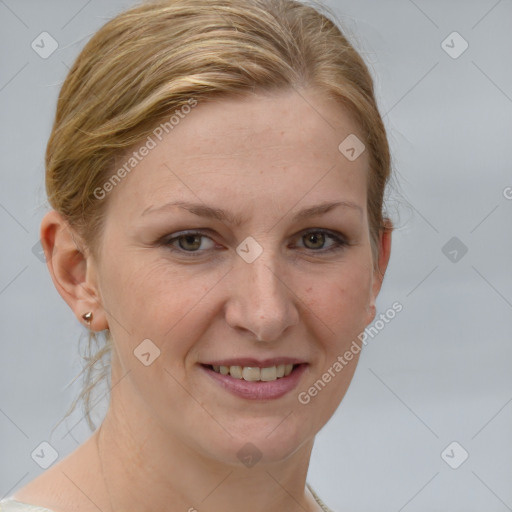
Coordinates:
<point>260,300</point>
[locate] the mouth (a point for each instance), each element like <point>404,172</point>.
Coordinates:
<point>256,382</point>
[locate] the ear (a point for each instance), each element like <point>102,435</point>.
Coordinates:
<point>382,264</point>
<point>72,270</point>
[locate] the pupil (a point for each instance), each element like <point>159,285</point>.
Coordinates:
<point>316,237</point>
<point>191,239</point>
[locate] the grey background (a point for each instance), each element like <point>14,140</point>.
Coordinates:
<point>439,372</point>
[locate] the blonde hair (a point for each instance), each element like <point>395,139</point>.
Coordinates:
<point>152,59</point>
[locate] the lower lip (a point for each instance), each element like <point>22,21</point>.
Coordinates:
<point>258,390</point>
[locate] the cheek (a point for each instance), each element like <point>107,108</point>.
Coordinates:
<point>157,300</point>
<point>343,304</point>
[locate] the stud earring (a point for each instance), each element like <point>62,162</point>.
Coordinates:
<point>87,317</point>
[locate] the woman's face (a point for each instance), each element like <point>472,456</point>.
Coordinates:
<point>218,249</point>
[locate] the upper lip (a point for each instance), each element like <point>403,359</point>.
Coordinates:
<point>251,361</point>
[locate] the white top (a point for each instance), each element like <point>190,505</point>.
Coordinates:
<point>12,505</point>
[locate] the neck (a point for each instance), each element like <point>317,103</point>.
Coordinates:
<point>157,472</point>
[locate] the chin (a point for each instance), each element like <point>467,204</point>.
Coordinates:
<point>259,441</point>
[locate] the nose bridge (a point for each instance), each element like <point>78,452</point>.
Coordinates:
<point>262,279</point>
<point>262,304</point>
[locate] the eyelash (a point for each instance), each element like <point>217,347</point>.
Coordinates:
<point>339,242</point>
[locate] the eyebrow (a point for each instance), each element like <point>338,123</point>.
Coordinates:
<point>202,210</point>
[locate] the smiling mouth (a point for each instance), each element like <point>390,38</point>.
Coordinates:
<point>254,373</point>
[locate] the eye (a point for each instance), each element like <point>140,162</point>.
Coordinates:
<point>190,242</point>
<point>315,240</point>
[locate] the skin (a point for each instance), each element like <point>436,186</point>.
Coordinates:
<point>171,435</point>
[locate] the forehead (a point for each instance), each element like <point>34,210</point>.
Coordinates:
<point>276,146</point>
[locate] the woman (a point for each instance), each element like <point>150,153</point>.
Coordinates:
<point>216,173</point>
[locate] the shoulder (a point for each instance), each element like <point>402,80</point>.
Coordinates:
<point>323,506</point>
<point>61,488</point>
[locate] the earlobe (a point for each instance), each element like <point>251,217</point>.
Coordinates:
<point>72,271</point>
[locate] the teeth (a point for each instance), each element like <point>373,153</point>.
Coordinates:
<point>251,373</point>
<point>235,371</point>
<point>267,374</point>
<point>255,374</point>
